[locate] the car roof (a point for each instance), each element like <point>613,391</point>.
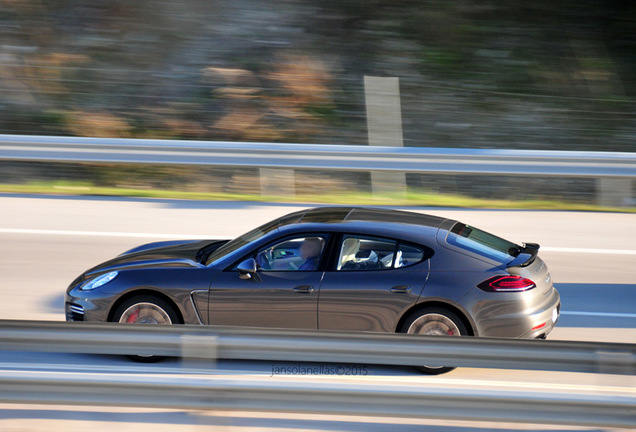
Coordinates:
<point>365,220</point>
<point>366,214</point>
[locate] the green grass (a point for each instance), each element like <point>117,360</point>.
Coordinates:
<point>412,198</point>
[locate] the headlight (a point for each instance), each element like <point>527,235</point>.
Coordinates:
<point>99,281</point>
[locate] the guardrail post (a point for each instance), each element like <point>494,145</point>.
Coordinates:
<point>618,363</point>
<point>198,351</point>
<point>277,182</point>
<point>614,192</point>
<point>384,126</point>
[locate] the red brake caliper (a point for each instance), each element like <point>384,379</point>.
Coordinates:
<point>133,317</point>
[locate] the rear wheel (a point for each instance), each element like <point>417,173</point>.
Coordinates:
<point>145,309</point>
<point>435,322</point>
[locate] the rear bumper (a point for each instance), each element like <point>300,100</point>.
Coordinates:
<point>530,319</point>
<point>546,321</point>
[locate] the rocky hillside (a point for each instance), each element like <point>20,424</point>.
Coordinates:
<point>494,73</point>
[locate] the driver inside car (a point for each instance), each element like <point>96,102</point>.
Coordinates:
<point>310,251</point>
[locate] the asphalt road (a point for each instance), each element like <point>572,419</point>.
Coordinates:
<point>45,242</point>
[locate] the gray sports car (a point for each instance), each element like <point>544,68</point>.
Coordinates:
<point>341,268</point>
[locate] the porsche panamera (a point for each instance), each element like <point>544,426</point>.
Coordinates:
<point>331,268</point>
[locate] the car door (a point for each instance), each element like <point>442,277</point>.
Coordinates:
<point>283,293</point>
<point>371,283</point>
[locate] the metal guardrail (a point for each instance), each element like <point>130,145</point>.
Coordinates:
<point>328,397</point>
<point>311,346</point>
<point>184,391</point>
<point>323,157</point>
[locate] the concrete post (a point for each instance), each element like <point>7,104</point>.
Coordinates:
<point>614,192</point>
<point>384,125</point>
<point>277,182</point>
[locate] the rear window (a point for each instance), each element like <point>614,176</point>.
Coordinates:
<point>482,243</point>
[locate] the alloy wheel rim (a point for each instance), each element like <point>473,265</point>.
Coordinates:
<point>434,325</point>
<point>145,313</point>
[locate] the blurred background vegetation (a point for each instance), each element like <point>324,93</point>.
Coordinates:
<point>488,74</point>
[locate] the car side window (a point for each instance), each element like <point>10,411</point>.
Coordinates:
<point>407,255</point>
<point>366,253</point>
<point>369,253</point>
<point>297,254</point>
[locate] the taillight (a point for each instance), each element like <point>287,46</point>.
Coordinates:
<point>508,283</point>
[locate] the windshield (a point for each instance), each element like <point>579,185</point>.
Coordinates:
<point>249,237</point>
<point>482,243</point>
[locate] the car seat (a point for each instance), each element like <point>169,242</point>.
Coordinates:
<point>350,247</point>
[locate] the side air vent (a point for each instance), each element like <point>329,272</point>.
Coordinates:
<point>74,312</point>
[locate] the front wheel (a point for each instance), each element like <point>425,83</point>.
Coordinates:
<point>145,309</point>
<point>435,322</point>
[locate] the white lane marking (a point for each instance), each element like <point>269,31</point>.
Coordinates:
<point>111,234</point>
<point>214,236</point>
<point>600,314</point>
<point>589,250</point>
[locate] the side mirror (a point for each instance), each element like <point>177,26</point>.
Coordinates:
<point>247,269</point>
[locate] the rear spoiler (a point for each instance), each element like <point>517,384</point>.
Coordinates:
<point>527,254</point>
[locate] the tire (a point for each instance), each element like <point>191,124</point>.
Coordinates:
<point>434,321</point>
<point>146,309</point>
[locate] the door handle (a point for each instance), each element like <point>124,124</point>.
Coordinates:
<point>304,289</point>
<point>401,289</point>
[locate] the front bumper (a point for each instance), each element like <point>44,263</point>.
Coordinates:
<point>87,305</point>
<point>74,311</point>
